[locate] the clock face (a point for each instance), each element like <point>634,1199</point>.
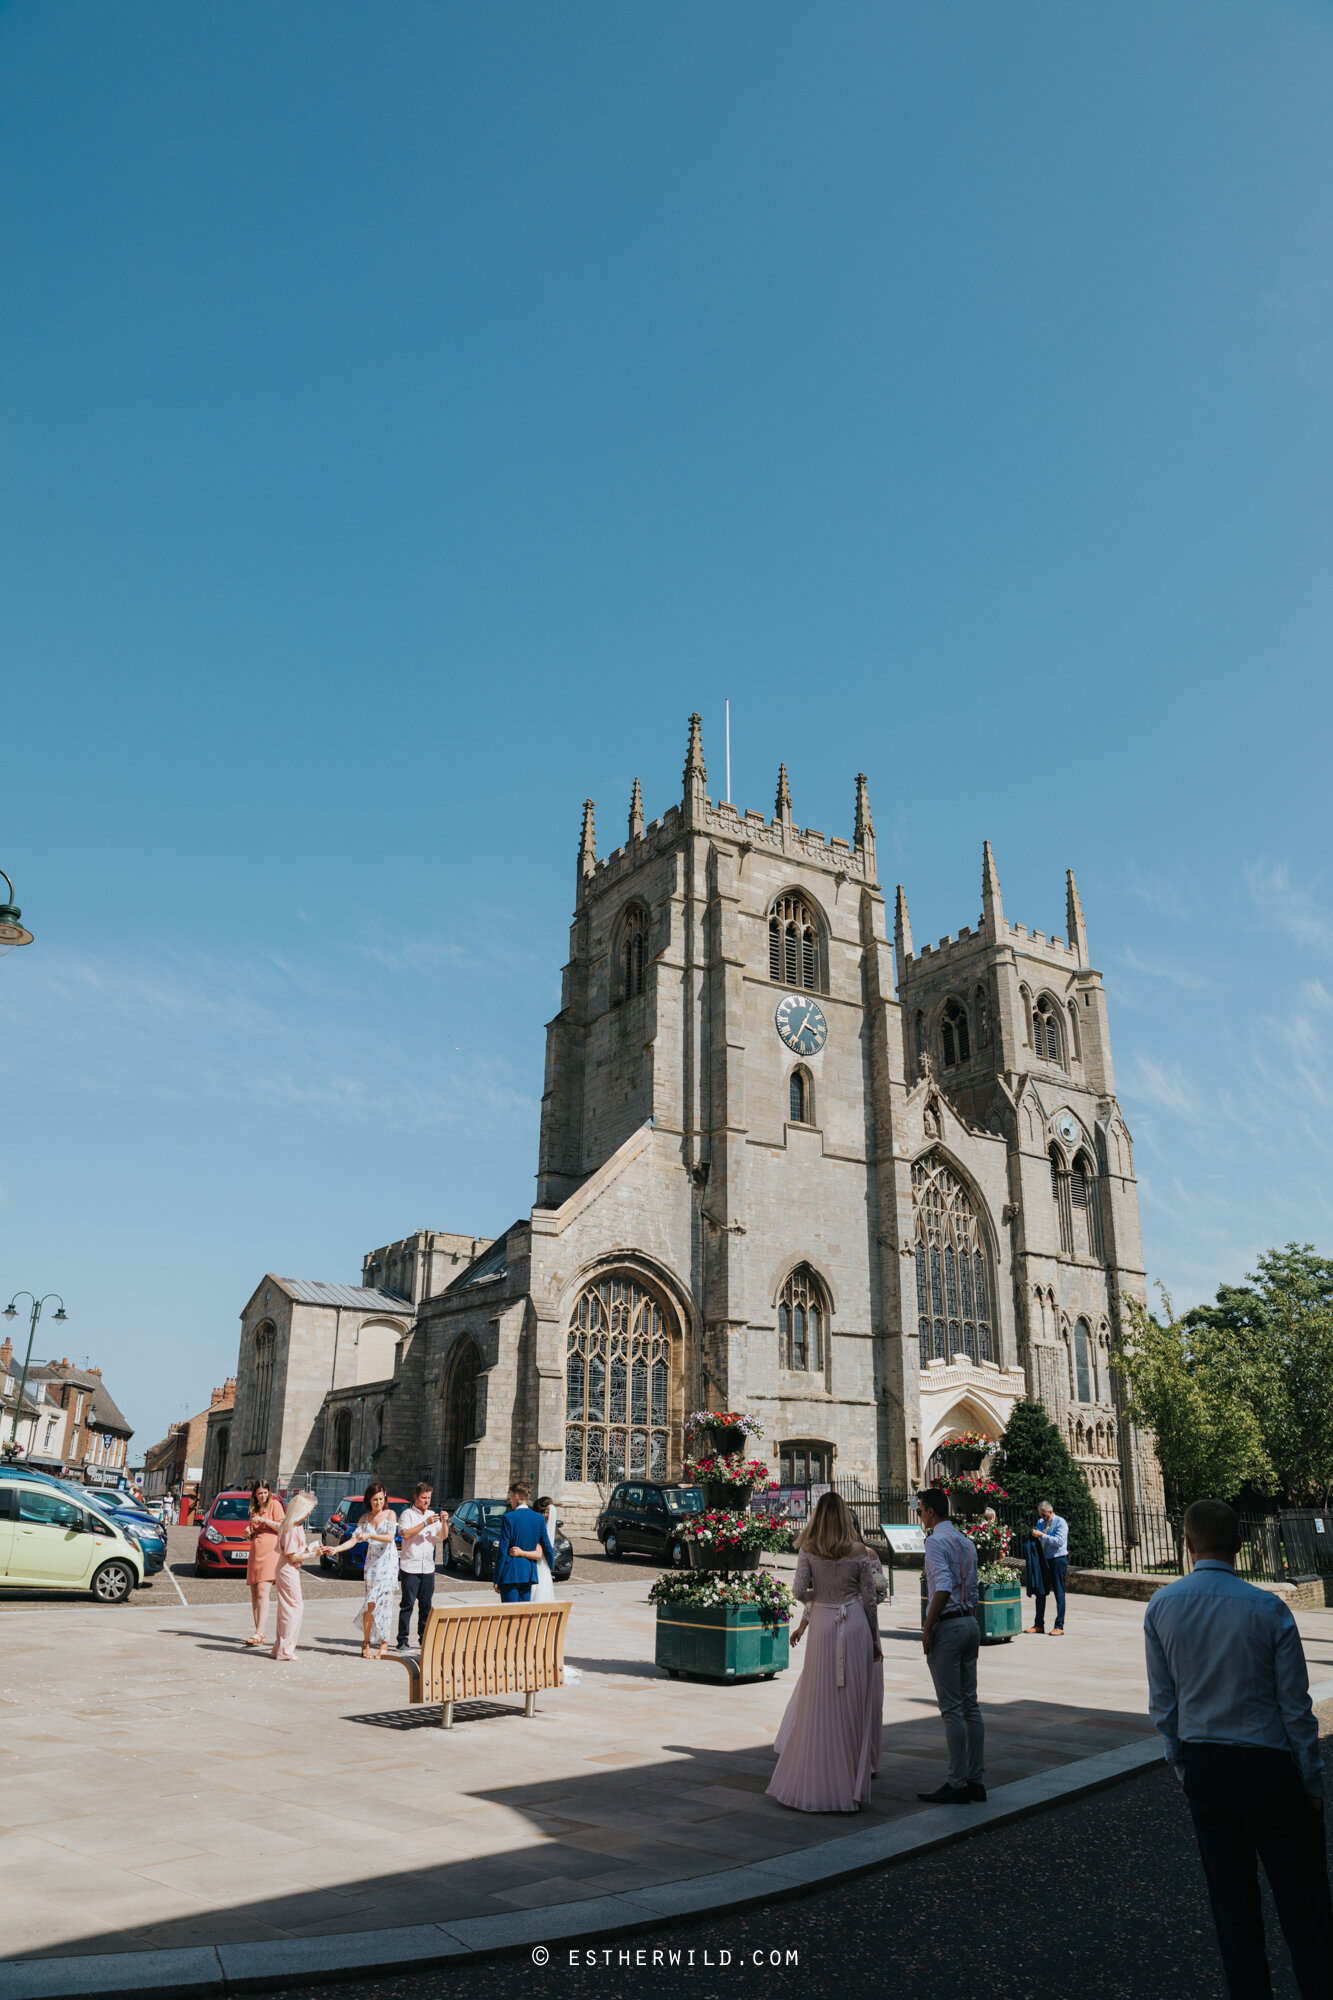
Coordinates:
<point>801,1024</point>
<point>1068,1129</point>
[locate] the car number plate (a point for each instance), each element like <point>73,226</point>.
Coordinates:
<point>239,1555</point>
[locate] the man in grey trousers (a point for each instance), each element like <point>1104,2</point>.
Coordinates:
<point>951,1640</point>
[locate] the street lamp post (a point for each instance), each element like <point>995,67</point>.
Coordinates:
<point>11,1312</point>
<point>11,930</point>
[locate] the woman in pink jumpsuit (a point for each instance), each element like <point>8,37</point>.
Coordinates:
<point>292,1550</point>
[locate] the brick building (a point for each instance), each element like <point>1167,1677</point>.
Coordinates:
<point>90,1436</point>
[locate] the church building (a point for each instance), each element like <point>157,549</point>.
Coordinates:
<point>787,1165</point>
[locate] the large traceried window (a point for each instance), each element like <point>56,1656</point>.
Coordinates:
<point>952,1287</point>
<point>793,944</point>
<point>633,951</point>
<point>617,1383</point>
<point>265,1342</point>
<point>802,1321</point>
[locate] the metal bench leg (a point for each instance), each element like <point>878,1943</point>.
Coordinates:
<point>448,1718</point>
<point>530,1705</point>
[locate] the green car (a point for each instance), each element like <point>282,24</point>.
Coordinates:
<point>49,1541</point>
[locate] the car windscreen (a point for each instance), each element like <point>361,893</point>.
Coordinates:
<point>492,1511</point>
<point>232,1507</point>
<point>684,1500</point>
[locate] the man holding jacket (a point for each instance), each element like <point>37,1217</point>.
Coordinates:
<point>522,1537</point>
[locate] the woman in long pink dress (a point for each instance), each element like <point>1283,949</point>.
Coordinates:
<point>829,1740</point>
<point>293,1549</point>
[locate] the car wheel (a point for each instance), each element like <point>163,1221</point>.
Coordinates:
<point>478,1565</point>
<point>679,1556</point>
<point>612,1546</point>
<point>113,1583</point>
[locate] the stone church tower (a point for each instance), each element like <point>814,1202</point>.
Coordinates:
<point>872,1195</point>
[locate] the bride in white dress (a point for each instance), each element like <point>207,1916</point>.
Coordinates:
<point>543,1590</point>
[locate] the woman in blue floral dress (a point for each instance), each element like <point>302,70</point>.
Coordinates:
<point>378,1529</point>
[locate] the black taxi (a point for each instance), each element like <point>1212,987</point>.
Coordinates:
<point>645,1517</point>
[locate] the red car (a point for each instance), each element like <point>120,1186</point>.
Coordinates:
<point>223,1545</point>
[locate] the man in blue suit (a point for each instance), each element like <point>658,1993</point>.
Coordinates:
<point>522,1536</point>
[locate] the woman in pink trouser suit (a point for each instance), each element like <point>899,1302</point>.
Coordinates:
<point>293,1550</point>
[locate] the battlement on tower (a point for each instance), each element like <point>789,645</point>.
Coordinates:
<point>752,831</point>
<point>968,942</point>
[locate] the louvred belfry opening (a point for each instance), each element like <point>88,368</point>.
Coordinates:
<point>793,944</point>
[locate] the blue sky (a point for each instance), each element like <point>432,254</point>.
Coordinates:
<point>408,415</point>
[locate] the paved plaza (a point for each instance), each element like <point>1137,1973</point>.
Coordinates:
<point>169,1788</point>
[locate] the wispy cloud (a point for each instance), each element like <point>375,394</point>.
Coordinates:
<point>1177,975</point>
<point>303,1035</point>
<point>1286,907</point>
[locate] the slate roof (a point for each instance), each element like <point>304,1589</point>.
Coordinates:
<point>104,1413</point>
<point>361,1298</point>
<point>492,1263</point>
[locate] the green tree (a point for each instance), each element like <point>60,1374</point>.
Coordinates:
<point>1034,1463</point>
<point>1270,1345</point>
<point>1204,1431</point>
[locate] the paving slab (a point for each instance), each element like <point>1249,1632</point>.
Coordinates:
<point>259,1801</point>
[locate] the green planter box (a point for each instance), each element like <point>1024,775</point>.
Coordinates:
<point>726,1642</point>
<point>999,1610</point>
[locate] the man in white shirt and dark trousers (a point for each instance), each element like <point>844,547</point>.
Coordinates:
<point>951,1639</point>
<point>420,1528</point>
<point>1228,1689</point>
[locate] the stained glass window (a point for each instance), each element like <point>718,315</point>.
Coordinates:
<point>801,1316</point>
<point>952,1295</point>
<point>617,1378</point>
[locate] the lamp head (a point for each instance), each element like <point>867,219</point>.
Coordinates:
<point>60,1313</point>
<point>11,1310</point>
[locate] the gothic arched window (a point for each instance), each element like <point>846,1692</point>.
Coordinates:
<point>633,950</point>
<point>1086,1381</point>
<point>1060,1196</point>
<point>802,1321</point>
<point>953,1034</point>
<point>802,1105</point>
<point>617,1383</point>
<point>1083,1202</point>
<point>793,943</point>
<point>342,1441</point>
<point>1045,1031</point>
<point>952,1284</point>
<point>265,1341</point>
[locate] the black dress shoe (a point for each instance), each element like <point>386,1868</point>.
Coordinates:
<point>977,1793</point>
<point>947,1795</point>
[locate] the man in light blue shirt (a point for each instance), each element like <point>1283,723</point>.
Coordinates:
<point>1052,1535</point>
<point>1229,1692</point>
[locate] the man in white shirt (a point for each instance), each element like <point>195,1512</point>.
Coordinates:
<point>951,1640</point>
<point>1229,1692</point>
<point>420,1528</point>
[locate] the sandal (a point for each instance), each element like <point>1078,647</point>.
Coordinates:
<point>258,1640</point>
<point>365,1652</point>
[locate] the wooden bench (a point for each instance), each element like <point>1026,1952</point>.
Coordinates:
<point>471,1651</point>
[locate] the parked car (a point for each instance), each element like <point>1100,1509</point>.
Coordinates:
<point>51,1541</point>
<point>474,1539</point>
<point>351,1561</point>
<point>122,1508</point>
<point>129,1514</point>
<point>223,1544</point>
<point>645,1517</point>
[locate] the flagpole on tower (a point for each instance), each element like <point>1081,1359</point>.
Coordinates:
<point>728,736</point>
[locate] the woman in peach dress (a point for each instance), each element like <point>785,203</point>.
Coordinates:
<point>829,1740</point>
<point>293,1549</point>
<point>266,1516</point>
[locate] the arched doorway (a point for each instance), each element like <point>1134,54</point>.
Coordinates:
<point>460,1418</point>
